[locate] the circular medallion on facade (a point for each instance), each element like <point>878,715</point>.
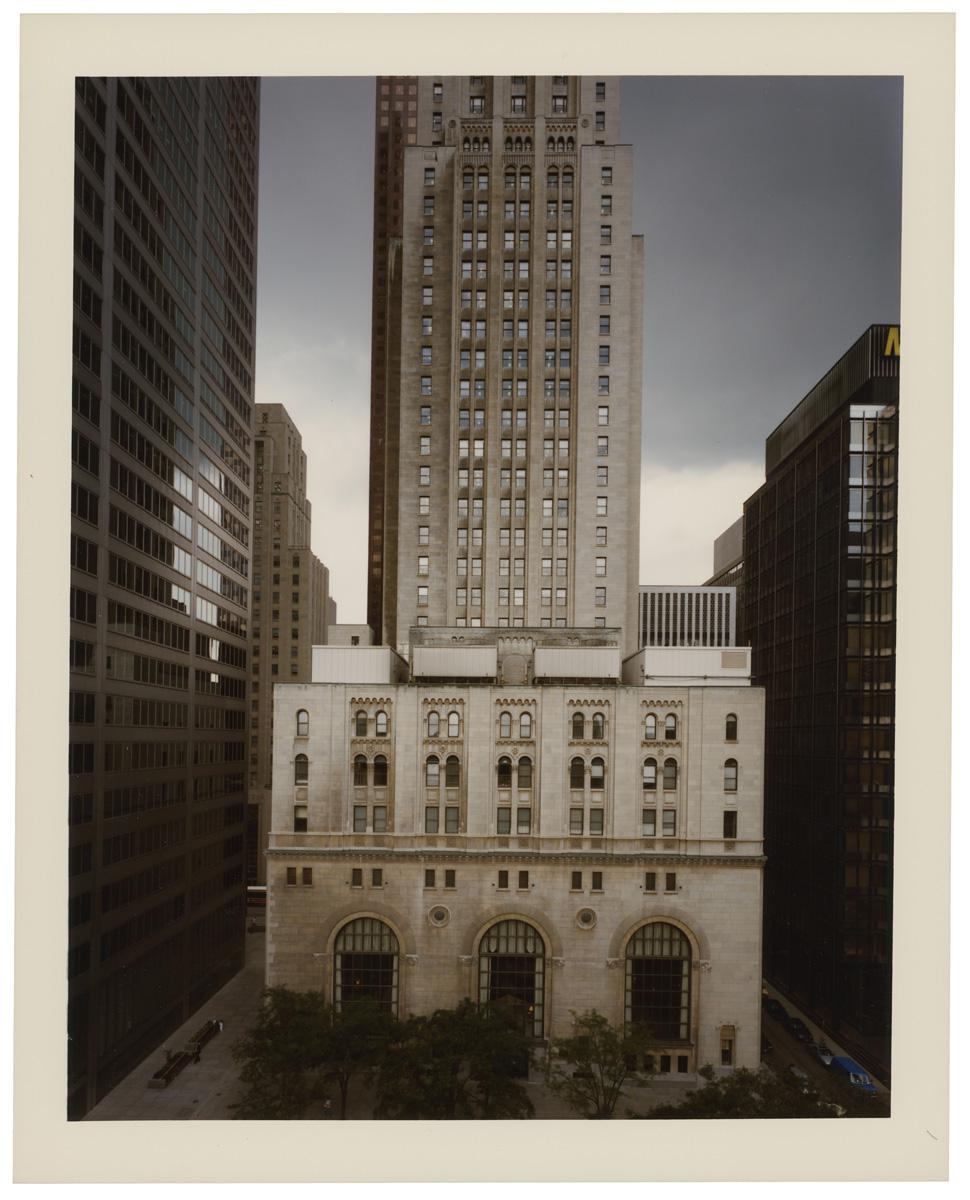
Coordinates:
<point>586,918</point>
<point>585,122</point>
<point>439,915</point>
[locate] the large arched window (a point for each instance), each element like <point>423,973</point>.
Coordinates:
<point>434,724</point>
<point>524,773</point>
<point>452,771</point>
<point>597,775</point>
<point>454,725</point>
<point>731,727</point>
<point>579,725</point>
<point>670,774</point>
<point>670,727</point>
<point>360,771</point>
<point>380,771</point>
<point>511,968</point>
<point>525,725</point>
<point>301,769</point>
<point>302,723</point>
<point>658,982</point>
<point>599,726</point>
<point>380,724</point>
<point>431,771</point>
<point>577,774</point>
<point>650,775</point>
<point>505,725</point>
<point>365,964</point>
<point>650,728</point>
<point>731,775</point>
<point>360,724</point>
<point>505,772</point>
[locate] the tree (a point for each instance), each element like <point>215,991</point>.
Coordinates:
<point>299,1046</point>
<point>598,1060</point>
<point>456,1064</point>
<point>746,1093</point>
<point>280,1056</point>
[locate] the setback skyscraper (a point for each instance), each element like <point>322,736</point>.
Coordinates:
<point>505,437</point>
<point>162,392</point>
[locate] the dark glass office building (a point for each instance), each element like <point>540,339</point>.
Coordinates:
<point>165,185</point>
<point>820,615</point>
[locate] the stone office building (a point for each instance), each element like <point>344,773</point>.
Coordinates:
<point>516,815</point>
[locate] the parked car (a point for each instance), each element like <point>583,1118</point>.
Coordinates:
<point>800,1029</point>
<point>774,1008</point>
<point>820,1051</point>
<point>800,1078</point>
<point>850,1070</point>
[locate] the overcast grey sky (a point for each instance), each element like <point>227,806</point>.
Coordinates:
<point>770,209</point>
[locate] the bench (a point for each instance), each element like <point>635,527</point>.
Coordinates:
<point>163,1077</point>
<point>201,1036</point>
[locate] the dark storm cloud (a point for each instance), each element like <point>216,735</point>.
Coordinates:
<point>770,210</point>
<point>771,215</point>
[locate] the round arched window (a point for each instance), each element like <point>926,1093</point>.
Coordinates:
<point>365,964</point>
<point>302,723</point>
<point>599,726</point>
<point>434,724</point>
<point>301,769</point>
<point>670,728</point>
<point>360,771</point>
<point>650,728</point>
<point>454,724</point>
<point>431,771</point>
<point>380,771</point>
<point>731,728</point>
<point>577,774</point>
<point>731,775</point>
<point>579,725</point>
<point>525,725</point>
<point>505,725</point>
<point>597,775</point>
<point>524,771</point>
<point>380,725</point>
<point>504,772</point>
<point>670,774</point>
<point>650,775</point>
<point>658,982</point>
<point>360,724</point>
<point>452,771</point>
<point>511,970</point>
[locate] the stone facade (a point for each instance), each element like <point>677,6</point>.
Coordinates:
<point>524,844</point>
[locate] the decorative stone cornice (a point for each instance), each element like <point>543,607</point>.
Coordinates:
<point>603,702</point>
<point>511,702</point>
<point>661,704</point>
<point>371,700</point>
<point>587,857</point>
<point>436,700</point>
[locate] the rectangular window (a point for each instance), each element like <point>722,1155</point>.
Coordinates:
<point>649,822</point>
<point>730,824</point>
<point>606,206</point>
<point>606,176</point>
<point>605,293</point>
<point>670,882</point>
<point>291,875</point>
<point>503,823</point>
<point>650,881</point>
<point>670,822</point>
<point>423,596</point>
<point>603,385</point>
<point>431,820</point>
<point>377,877</point>
<point>523,879</point>
<point>451,820</point>
<point>450,879</point>
<point>576,881</point>
<point>523,820</point>
<point>596,822</point>
<point>601,506</point>
<point>597,881</point>
<point>357,877</point>
<point>307,876</point>
<point>503,880</point>
<point>429,877</point>
<point>576,821</point>
<point>429,176</point>
<point>380,818</point>
<point>360,818</point>
<point>600,565</point>
<point>606,264</point>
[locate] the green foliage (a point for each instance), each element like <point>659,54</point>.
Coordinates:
<point>299,1047</point>
<point>744,1094</point>
<point>589,1069</point>
<point>457,1064</point>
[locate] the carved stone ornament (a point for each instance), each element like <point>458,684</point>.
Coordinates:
<point>661,704</point>
<point>383,700</point>
<point>411,960</point>
<point>465,959</point>
<point>613,963</point>
<point>558,962</point>
<point>597,703</point>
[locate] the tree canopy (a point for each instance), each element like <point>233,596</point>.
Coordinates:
<point>588,1069</point>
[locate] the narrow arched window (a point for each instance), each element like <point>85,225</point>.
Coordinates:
<point>599,725</point>
<point>560,144</point>
<point>360,771</point>
<point>731,775</point>
<point>466,144</point>
<point>579,725</point>
<point>570,143</point>
<point>505,772</point>
<point>525,773</point>
<point>301,769</point>
<point>380,771</point>
<point>476,145</point>
<point>434,724</point>
<point>380,724</point>
<point>731,728</point>
<point>360,724</point>
<point>525,725</point>
<point>670,774</point>
<point>650,775</point>
<point>452,771</point>
<point>505,725</point>
<point>431,772</point>
<point>528,144</point>
<point>518,144</point>
<point>486,145</point>
<point>302,723</point>
<point>454,725</point>
<point>650,728</point>
<point>577,774</point>
<point>508,146</point>
<point>550,146</point>
<point>670,728</point>
<point>597,775</point>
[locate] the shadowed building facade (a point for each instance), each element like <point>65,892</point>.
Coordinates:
<point>162,390</point>
<point>820,616</point>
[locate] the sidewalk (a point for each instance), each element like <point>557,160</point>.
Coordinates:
<point>204,1090</point>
